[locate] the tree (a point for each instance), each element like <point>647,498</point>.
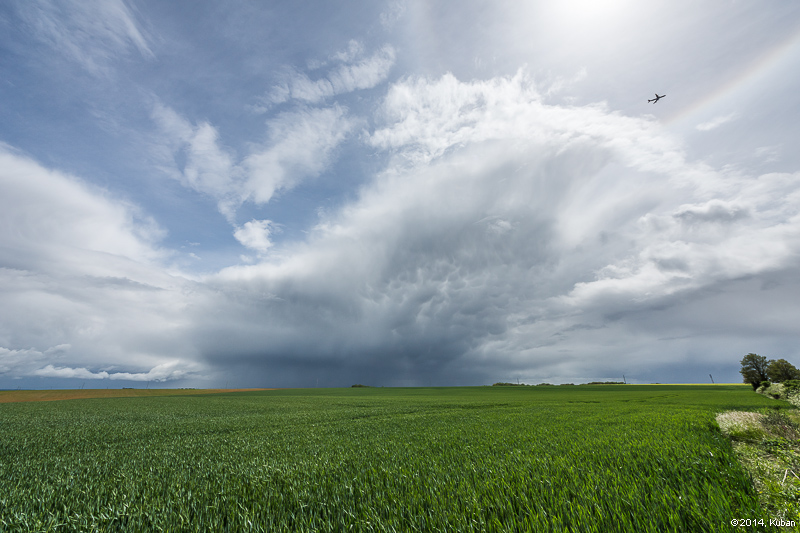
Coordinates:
<point>754,369</point>
<point>782,370</point>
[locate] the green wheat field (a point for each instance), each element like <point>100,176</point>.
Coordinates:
<point>602,458</point>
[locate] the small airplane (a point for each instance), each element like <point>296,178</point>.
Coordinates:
<point>657,98</point>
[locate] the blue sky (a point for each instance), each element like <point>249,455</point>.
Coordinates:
<point>396,193</point>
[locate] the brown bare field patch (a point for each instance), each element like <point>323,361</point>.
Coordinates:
<point>80,394</point>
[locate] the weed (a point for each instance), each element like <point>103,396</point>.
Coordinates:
<point>767,445</point>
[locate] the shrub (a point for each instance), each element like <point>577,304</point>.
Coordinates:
<point>779,425</point>
<point>794,399</point>
<point>773,390</point>
<point>791,387</point>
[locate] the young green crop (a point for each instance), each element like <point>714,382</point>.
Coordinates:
<point>600,458</point>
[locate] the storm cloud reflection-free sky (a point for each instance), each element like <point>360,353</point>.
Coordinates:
<point>285,194</point>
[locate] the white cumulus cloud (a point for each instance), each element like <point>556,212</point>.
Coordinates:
<point>255,235</point>
<point>164,372</point>
<point>84,281</point>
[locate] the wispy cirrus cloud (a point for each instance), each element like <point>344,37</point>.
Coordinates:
<point>300,144</point>
<point>716,122</point>
<point>207,166</point>
<point>351,76</point>
<point>768,154</point>
<point>91,33</point>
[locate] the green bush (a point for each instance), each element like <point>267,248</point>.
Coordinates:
<point>791,386</point>
<point>773,390</point>
<point>780,425</point>
<point>794,399</point>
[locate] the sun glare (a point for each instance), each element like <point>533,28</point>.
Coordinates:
<point>585,18</point>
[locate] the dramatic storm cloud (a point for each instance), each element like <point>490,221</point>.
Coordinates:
<point>396,194</point>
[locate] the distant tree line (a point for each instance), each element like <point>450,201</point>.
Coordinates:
<point>757,370</point>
